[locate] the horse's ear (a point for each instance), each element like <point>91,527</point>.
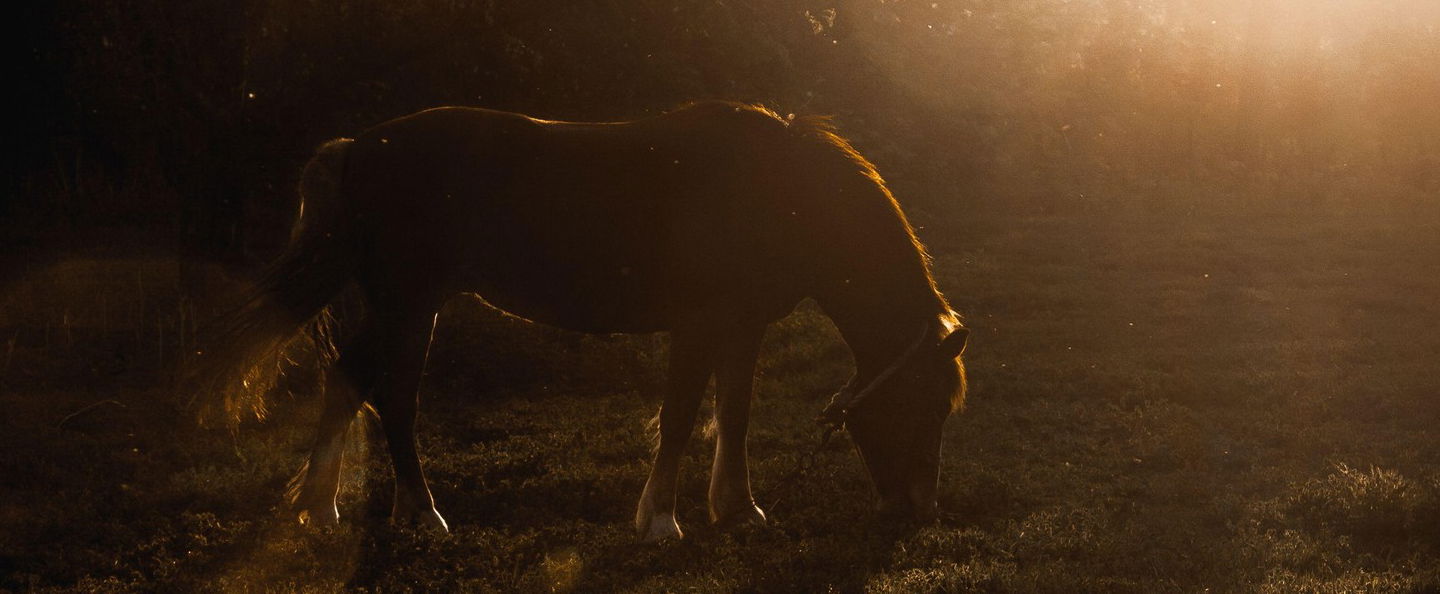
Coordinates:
<point>954,344</point>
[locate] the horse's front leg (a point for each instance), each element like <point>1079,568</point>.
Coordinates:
<point>730,499</point>
<point>691,354</point>
<point>402,345</point>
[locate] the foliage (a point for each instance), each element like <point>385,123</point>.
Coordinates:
<point>1030,106</point>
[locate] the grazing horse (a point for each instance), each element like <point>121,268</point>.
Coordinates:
<point>709,222</point>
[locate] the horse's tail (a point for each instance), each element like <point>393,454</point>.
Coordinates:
<point>241,357</point>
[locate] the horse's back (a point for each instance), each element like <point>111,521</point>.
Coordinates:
<point>594,226</point>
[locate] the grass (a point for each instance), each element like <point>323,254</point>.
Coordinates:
<point>1160,403</point>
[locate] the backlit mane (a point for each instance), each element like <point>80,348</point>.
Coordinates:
<point>821,132</point>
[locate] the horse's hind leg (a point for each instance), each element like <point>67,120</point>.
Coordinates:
<point>730,499</point>
<point>401,342</point>
<point>314,488</point>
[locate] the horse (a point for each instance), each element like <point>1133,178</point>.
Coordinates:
<point>708,222</point>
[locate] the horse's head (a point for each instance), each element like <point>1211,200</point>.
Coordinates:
<point>896,422</point>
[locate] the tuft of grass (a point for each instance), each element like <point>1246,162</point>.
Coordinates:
<point>1377,509</point>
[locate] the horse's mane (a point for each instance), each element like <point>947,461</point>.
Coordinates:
<point>820,132</point>
<point>823,130</point>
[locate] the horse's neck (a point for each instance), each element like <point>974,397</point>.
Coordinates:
<point>870,271</point>
<point>879,325</point>
<point>881,304</point>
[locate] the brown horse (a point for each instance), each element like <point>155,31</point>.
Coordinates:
<point>709,222</point>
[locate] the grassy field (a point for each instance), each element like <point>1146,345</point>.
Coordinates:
<point>1160,403</point>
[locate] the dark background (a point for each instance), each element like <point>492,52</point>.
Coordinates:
<point>1198,243</point>
<point>190,118</point>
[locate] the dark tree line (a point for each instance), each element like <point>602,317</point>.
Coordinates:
<point>189,120</point>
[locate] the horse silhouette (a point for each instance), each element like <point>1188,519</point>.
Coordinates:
<point>709,222</point>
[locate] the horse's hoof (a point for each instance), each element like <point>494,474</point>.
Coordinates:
<point>662,527</point>
<point>749,515</point>
<point>318,515</point>
<point>424,519</point>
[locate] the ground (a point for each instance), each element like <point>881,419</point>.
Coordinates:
<point>1160,402</point>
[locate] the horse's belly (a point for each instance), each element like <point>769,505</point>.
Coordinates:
<point>619,296</point>
<point>609,299</point>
